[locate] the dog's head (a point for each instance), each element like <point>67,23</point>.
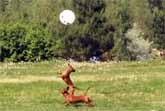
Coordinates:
<point>71,68</point>
<point>65,91</point>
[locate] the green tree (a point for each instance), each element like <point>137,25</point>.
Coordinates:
<point>124,24</point>
<point>91,35</point>
<point>3,5</point>
<point>157,8</point>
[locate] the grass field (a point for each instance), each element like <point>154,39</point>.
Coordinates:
<point>124,86</point>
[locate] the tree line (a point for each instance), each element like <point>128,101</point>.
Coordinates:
<point>30,30</point>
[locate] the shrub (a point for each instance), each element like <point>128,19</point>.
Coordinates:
<point>19,42</point>
<point>139,48</point>
<point>12,42</point>
<point>39,44</point>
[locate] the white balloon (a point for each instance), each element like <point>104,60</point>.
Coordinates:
<point>67,17</point>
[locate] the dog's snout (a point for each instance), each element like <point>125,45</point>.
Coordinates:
<point>74,70</point>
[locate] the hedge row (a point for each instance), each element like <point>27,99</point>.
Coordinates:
<point>20,42</point>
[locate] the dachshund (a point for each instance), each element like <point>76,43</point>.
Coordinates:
<point>72,99</point>
<point>65,75</point>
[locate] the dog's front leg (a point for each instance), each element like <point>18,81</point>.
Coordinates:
<point>66,103</point>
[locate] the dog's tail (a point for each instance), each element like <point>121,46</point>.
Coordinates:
<point>85,93</point>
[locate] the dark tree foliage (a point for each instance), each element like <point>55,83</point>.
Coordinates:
<point>97,36</point>
<point>125,24</point>
<point>155,3</point>
<point>158,24</point>
<point>3,5</point>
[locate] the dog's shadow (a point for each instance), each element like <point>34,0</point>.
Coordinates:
<point>78,105</point>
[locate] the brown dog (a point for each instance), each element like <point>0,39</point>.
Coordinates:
<point>71,99</point>
<point>65,75</point>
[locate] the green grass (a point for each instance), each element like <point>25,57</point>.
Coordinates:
<point>124,86</point>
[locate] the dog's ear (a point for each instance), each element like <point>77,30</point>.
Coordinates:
<point>69,64</point>
<point>67,88</point>
<point>71,67</point>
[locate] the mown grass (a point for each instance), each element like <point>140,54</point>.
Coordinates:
<point>123,86</point>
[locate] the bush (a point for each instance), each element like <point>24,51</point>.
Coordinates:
<point>19,42</point>
<point>12,42</point>
<point>138,47</point>
<point>39,44</point>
